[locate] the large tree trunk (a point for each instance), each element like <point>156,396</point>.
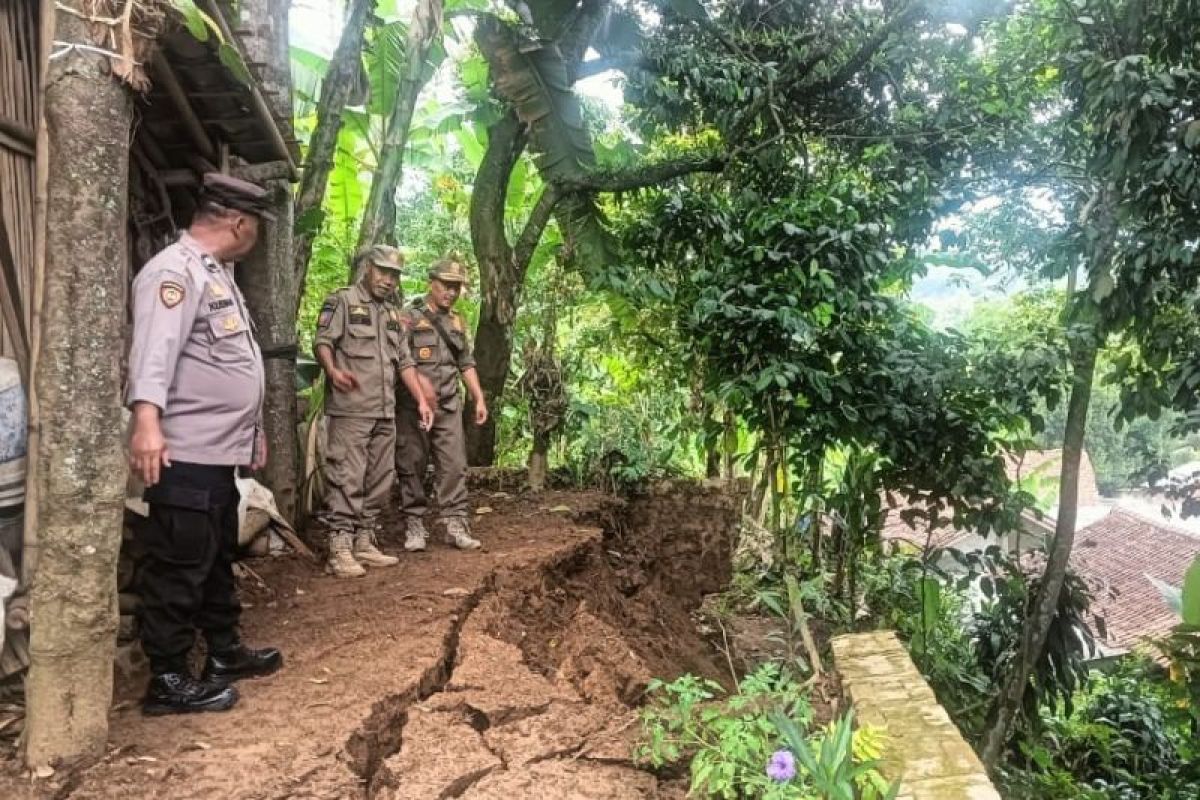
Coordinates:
<point>79,471</point>
<point>379,217</point>
<point>268,277</point>
<point>497,308</point>
<point>502,266</point>
<point>336,89</point>
<point>1037,627</point>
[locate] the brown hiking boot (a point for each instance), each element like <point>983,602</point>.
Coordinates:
<point>458,533</point>
<point>416,536</point>
<point>341,559</point>
<point>367,554</point>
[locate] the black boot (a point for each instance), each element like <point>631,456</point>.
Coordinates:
<point>179,693</point>
<point>239,662</point>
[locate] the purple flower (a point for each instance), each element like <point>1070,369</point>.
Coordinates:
<point>782,766</point>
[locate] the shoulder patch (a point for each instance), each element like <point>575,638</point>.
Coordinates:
<point>327,308</point>
<point>170,293</point>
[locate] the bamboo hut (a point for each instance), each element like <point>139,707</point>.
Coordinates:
<point>196,109</point>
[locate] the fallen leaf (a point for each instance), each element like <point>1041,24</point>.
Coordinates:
<point>44,771</point>
<point>319,681</point>
<point>456,591</point>
<point>560,509</point>
<point>149,759</point>
<point>483,510</point>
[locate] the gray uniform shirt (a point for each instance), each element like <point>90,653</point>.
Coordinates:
<point>194,356</point>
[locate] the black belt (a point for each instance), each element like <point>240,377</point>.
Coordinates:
<point>288,352</point>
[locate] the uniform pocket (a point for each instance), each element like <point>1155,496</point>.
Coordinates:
<point>229,334</point>
<point>359,341</point>
<point>178,530</point>
<point>425,349</point>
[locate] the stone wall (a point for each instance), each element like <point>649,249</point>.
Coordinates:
<point>924,750</point>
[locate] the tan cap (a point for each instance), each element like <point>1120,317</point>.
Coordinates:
<point>230,192</point>
<point>381,255</point>
<point>449,270</point>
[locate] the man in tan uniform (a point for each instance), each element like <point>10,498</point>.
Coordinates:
<point>196,393</point>
<point>361,347</point>
<point>438,340</point>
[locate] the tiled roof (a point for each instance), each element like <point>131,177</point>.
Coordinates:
<point>1114,555</point>
<point>896,529</point>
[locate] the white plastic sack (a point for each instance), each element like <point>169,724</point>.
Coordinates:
<point>8,586</point>
<point>257,510</point>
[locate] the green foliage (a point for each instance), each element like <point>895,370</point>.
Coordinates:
<point>843,766</point>
<point>936,634</point>
<point>1121,740</point>
<point>203,27</point>
<point>533,77</point>
<point>963,629</point>
<point>728,740</point>
<point>1181,646</point>
<point>1008,600</point>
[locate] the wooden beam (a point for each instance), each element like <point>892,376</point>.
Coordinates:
<point>150,146</point>
<point>16,145</point>
<point>260,173</point>
<point>178,177</point>
<point>261,109</point>
<point>166,76</point>
<point>17,131</point>
<point>219,95</point>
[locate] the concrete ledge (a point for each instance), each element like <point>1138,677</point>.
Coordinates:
<point>925,751</point>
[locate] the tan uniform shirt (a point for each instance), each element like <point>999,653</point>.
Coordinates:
<point>367,342</point>
<point>435,359</point>
<point>194,356</point>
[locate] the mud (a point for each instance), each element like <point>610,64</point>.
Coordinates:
<point>511,672</point>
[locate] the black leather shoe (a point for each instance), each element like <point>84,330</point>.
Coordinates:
<point>175,693</point>
<point>241,662</point>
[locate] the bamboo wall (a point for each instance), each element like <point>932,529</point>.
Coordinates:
<point>18,122</point>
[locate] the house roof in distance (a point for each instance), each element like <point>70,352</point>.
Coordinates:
<point>1115,555</point>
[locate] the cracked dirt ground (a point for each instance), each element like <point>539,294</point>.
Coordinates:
<point>511,672</point>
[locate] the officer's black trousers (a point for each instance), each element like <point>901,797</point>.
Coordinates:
<point>186,576</point>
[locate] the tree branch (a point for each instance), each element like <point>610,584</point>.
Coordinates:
<point>506,141</point>
<point>644,175</point>
<point>575,39</point>
<point>532,233</point>
<point>335,93</point>
<point>869,48</point>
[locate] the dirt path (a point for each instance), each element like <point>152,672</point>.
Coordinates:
<point>509,672</point>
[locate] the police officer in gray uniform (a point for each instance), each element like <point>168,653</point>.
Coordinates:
<point>196,387</point>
